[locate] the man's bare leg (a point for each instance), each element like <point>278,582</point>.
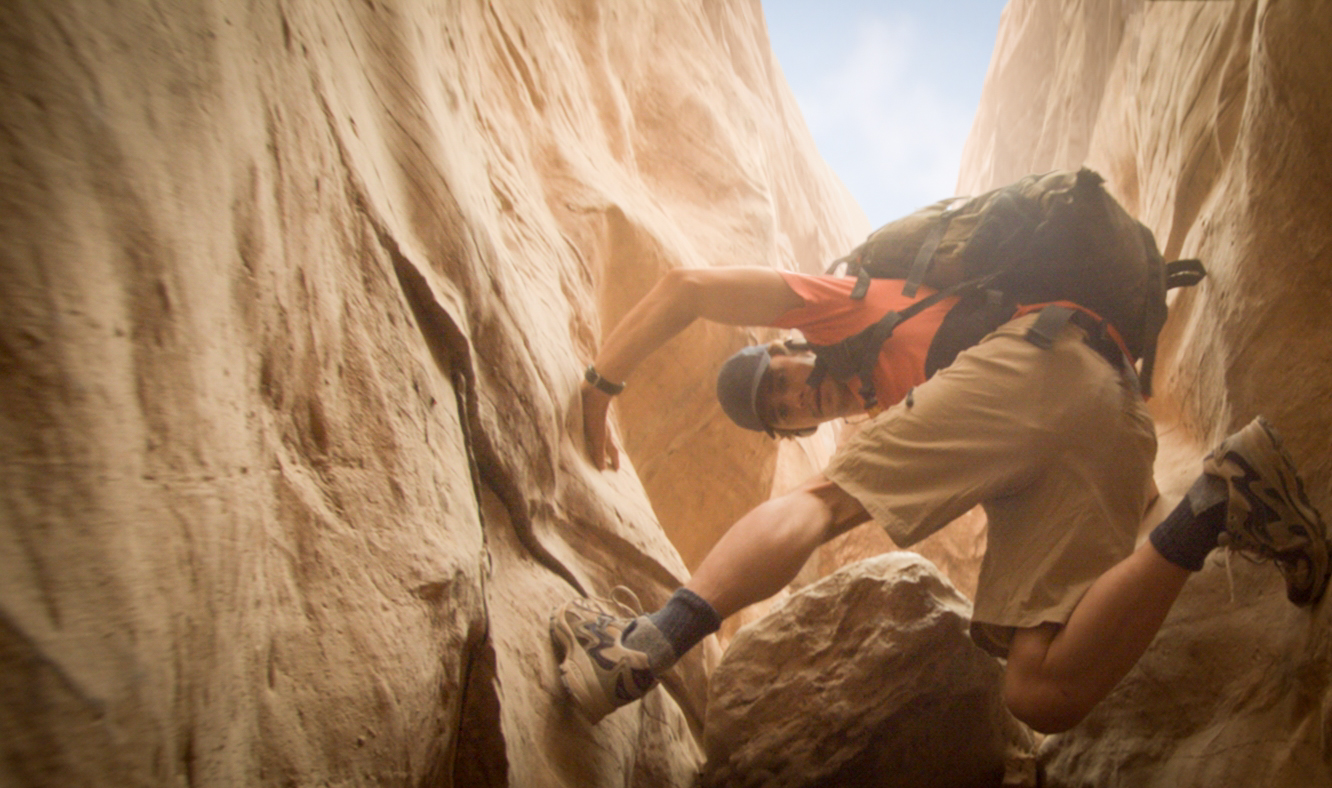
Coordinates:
<point>1251,492</point>
<point>1057,674</point>
<point>762,553</point>
<point>606,662</point>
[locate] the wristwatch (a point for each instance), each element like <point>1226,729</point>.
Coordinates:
<point>600,383</point>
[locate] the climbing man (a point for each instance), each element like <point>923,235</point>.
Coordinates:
<point>1054,442</point>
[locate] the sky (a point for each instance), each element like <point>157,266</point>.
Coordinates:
<point>888,89</point>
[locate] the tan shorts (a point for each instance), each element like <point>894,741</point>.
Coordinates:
<point>1056,445</point>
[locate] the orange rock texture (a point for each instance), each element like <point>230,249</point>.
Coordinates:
<point>297,297</point>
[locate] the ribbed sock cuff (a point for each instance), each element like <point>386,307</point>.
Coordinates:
<point>1189,533</point>
<point>686,619</point>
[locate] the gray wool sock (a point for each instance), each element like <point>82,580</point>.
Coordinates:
<point>1189,533</point>
<point>667,634</point>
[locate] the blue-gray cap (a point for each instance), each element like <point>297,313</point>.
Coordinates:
<point>738,383</point>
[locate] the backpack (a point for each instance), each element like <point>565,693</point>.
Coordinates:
<point>1056,242</point>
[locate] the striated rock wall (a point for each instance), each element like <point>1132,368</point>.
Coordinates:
<point>295,301</point>
<point>296,297</point>
<point>1211,123</point>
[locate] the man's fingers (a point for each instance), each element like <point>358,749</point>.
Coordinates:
<point>595,441</point>
<point>595,435</point>
<point>598,451</point>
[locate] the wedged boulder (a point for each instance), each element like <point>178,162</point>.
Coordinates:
<point>865,678</point>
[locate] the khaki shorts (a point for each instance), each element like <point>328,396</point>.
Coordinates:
<point>1056,445</point>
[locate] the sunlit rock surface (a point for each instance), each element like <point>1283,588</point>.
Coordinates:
<point>296,299</point>
<point>1211,122</point>
<point>866,678</point>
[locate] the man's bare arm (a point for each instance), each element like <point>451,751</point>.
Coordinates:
<point>734,296</point>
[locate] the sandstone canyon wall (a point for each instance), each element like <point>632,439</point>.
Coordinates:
<point>297,296</point>
<point>1212,122</point>
<point>296,299</point>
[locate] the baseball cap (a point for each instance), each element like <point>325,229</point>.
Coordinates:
<point>738,383</point>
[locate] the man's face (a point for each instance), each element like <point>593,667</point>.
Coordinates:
<point>786,402</point>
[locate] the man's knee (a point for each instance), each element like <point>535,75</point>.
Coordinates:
<point>1046,702</point>
<point>1042,707</point>
<point>841,511</point>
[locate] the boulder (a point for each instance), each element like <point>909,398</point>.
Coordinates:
<point>865,678</point>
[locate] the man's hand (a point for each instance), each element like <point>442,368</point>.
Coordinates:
<point>732,296</point>
<point>601,448</point>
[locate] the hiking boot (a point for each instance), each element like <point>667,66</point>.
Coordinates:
<point>1268,514</point>
<point>600,672</point>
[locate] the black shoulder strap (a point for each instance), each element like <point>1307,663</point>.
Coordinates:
<point>857,355</point>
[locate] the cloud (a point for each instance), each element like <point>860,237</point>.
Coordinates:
<point>891,131</point>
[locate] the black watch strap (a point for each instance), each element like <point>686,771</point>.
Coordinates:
<point>600,383</point>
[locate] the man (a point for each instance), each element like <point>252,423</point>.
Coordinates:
<point>1055,443</point>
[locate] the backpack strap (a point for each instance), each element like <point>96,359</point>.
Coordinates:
<point>862,284</point>
<point>1048,324</point>
<point>853,268</point>
<point>925,255</point>
<point>857,355</point>
<point>1101,334</point>
<point>1054,314</point>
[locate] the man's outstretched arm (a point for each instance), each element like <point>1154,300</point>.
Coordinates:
<point>734,296</point>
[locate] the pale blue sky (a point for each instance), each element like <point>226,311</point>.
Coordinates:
<point>888,88</point>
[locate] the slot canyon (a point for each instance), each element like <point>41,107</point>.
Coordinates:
<point>297,299</point>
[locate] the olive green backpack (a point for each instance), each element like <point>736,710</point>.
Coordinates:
<point>1056,242</point>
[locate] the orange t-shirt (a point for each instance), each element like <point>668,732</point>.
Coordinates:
<point>831,315</point>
